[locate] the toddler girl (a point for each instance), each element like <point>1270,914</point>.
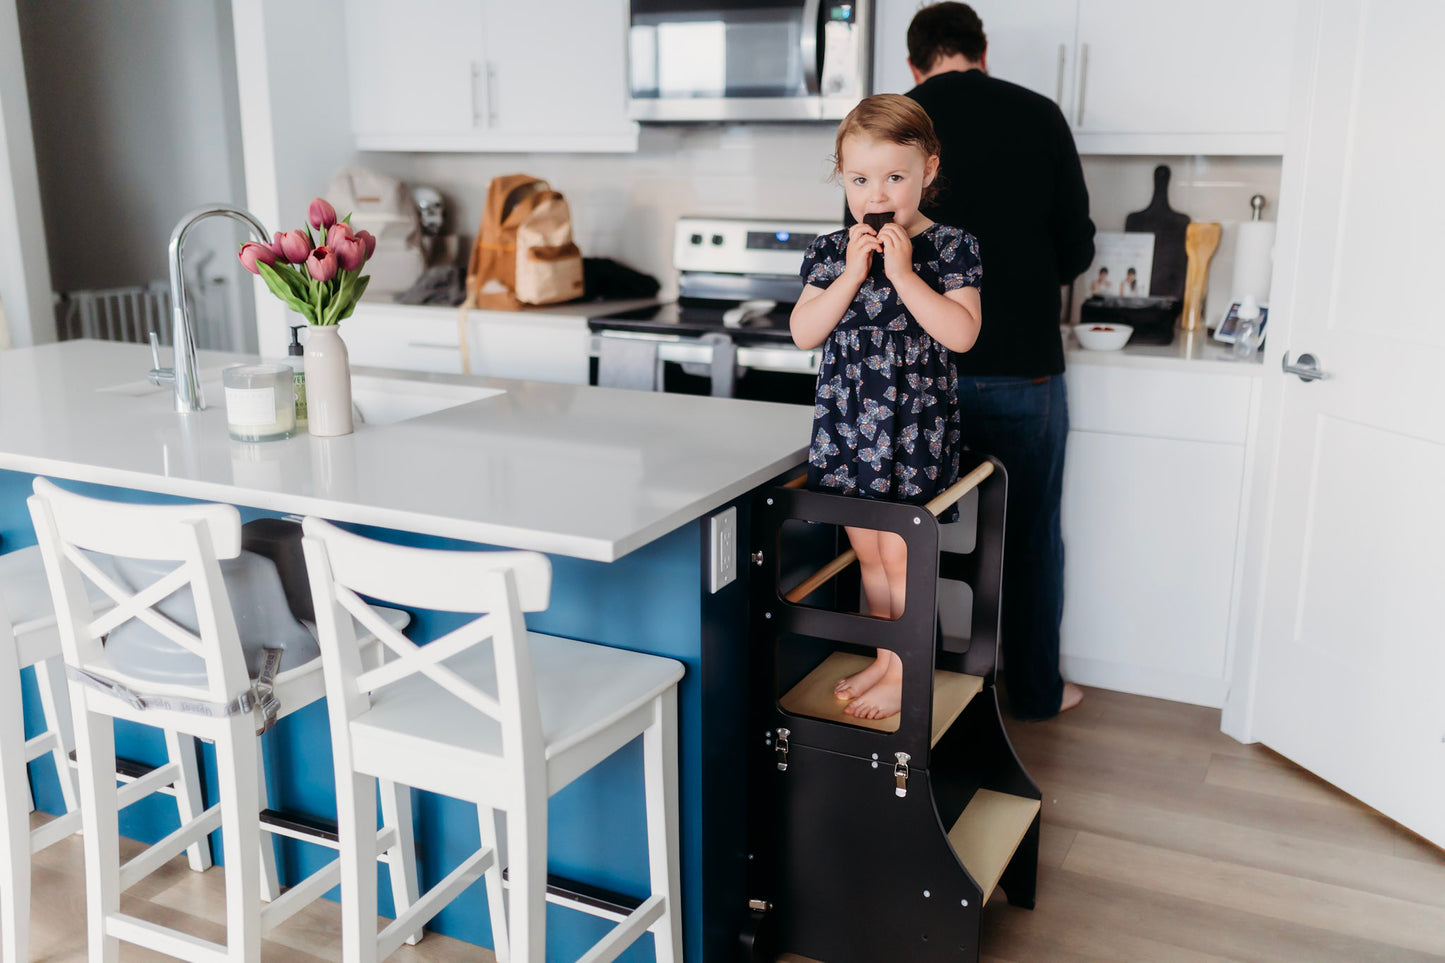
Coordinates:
<point>886,417</point>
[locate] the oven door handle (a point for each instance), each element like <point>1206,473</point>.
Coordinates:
<point>808,45</point>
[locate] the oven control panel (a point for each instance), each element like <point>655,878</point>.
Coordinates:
<point>740,246</point>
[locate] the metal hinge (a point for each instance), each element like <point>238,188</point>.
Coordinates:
<point>900,774</point>
<point>781,749</point>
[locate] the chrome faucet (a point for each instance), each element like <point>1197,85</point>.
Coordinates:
<point>183,373</point>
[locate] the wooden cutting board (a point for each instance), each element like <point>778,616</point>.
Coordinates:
<point>1168,227</point>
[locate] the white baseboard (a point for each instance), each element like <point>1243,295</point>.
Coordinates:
<point>1140,680</point>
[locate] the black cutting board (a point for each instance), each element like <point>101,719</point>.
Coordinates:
<point>1168,227</point>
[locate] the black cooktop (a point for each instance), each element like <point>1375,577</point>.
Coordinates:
<point>691,317</point>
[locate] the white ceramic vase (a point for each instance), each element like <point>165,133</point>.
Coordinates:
<point>328,381</point>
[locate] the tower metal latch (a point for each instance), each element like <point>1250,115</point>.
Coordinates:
<point>900,774</point>
<point>781,748</point>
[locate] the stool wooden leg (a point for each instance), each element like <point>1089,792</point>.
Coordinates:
<point>527,868</point>
<point>270,880</point>
<point>182,750</point>
<point>55,704</point>
<point>236,766</point>
<point>659,752</point>
<point>401,858</point>
<point>14,807</point>
<point>95,752</point>
<point>490,823</point>
<point>356,824</point>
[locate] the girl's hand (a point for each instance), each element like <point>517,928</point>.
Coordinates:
<point>862,244</point>
<point>897,252</point>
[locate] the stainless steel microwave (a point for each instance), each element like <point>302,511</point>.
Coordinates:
<point>710,60</point>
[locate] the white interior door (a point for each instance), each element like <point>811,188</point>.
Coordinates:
<point>1350,678</point>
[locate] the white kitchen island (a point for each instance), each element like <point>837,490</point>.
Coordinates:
<point>615,486</point>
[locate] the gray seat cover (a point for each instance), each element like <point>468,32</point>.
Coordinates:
<point>263,620</point>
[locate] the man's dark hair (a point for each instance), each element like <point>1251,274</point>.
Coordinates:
<point>942,30</point>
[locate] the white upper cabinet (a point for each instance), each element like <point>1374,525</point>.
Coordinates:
<point>410,75</point>
<point>1133,76</point>
<point>1031,44</point>
<point>489,75</point>
<point>1185,78</point>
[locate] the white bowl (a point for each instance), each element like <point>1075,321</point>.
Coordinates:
<point>1103,337</point>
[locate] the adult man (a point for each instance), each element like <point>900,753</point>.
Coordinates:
<point>1011,177</point>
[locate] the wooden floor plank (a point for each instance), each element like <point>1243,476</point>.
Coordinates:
<point>1214,882</point>
<point>1162,840</point>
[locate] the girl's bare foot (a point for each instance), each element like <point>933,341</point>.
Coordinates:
<point>846,690</point>
<point>1073,695</point>
<point>886,697</point>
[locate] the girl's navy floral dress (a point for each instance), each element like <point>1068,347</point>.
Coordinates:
<point>886,418</point>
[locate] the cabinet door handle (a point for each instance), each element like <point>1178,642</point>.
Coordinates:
<point>1306,367</point>
<point>476,101</point>
<point>491,94</point>
<point>1083,80</point>
<point>1059,94</point>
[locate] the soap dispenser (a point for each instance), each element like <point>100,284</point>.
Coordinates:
<point>295,357</point>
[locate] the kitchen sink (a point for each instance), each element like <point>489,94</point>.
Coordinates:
<point>374,400</point>
<point>385,401</point>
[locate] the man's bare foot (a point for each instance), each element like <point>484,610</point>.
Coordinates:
<point>1073,695</point>
<point>885,698</point>
<point>846,690</point>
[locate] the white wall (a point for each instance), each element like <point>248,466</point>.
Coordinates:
<point>295,121</point>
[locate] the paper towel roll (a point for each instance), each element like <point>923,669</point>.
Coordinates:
<point>1253,261</point>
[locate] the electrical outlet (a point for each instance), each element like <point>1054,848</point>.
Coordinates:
<point>724,541</point>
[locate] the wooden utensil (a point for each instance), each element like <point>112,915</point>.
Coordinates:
<point>1200,242</point>
<point>1167,225</point>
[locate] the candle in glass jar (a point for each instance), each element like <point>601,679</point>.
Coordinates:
<point>260,401</point>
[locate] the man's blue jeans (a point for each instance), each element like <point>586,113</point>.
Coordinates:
<point>1024,423</point>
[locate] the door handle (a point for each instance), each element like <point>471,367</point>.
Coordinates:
<point>1083,81</point>
<point>1307,368</point>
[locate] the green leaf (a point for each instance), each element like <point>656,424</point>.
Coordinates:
<point>278,286</point>
<point>356,294</point>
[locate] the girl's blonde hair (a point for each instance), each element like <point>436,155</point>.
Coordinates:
<point>893,118</point>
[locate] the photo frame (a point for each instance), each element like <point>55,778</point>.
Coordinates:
<point>1122,267</point>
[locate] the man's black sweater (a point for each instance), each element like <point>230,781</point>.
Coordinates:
<point>1011,177</point>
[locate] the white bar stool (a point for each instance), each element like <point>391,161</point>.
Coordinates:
<point>223,709</point>
<point>504,724</point>
<point>29,637</point>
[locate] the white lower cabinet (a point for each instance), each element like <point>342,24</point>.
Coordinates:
<point>1153,483</point>
<point>413,338</point>
<point>531,345</point>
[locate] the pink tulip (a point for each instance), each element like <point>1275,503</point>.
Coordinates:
<point>276,246</point>
<point>321,264</point>
<point>370,242</point>
<point>321,214</point>
<point>295,246</point>
<point>338,230</point>
<point>350,252</point>
<point>253,252</point>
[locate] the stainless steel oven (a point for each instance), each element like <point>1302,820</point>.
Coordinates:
<point>711,60</point>
<point>727,333</point>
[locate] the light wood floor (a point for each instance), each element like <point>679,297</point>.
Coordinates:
<point>1163,840</point>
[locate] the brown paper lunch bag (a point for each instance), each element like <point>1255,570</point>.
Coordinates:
<point>524,253</point>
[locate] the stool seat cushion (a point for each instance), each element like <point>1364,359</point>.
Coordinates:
<point>581,687</point>
<point>263,620</point>
<point>25,591</point>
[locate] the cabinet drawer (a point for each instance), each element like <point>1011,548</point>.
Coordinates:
<point>1161,403</point>
<point>412,339</point>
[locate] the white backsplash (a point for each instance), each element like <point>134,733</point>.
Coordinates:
<point>624,205</point>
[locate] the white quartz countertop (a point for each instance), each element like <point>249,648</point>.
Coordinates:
<point>1195,351</point>
<point>592,473</point>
